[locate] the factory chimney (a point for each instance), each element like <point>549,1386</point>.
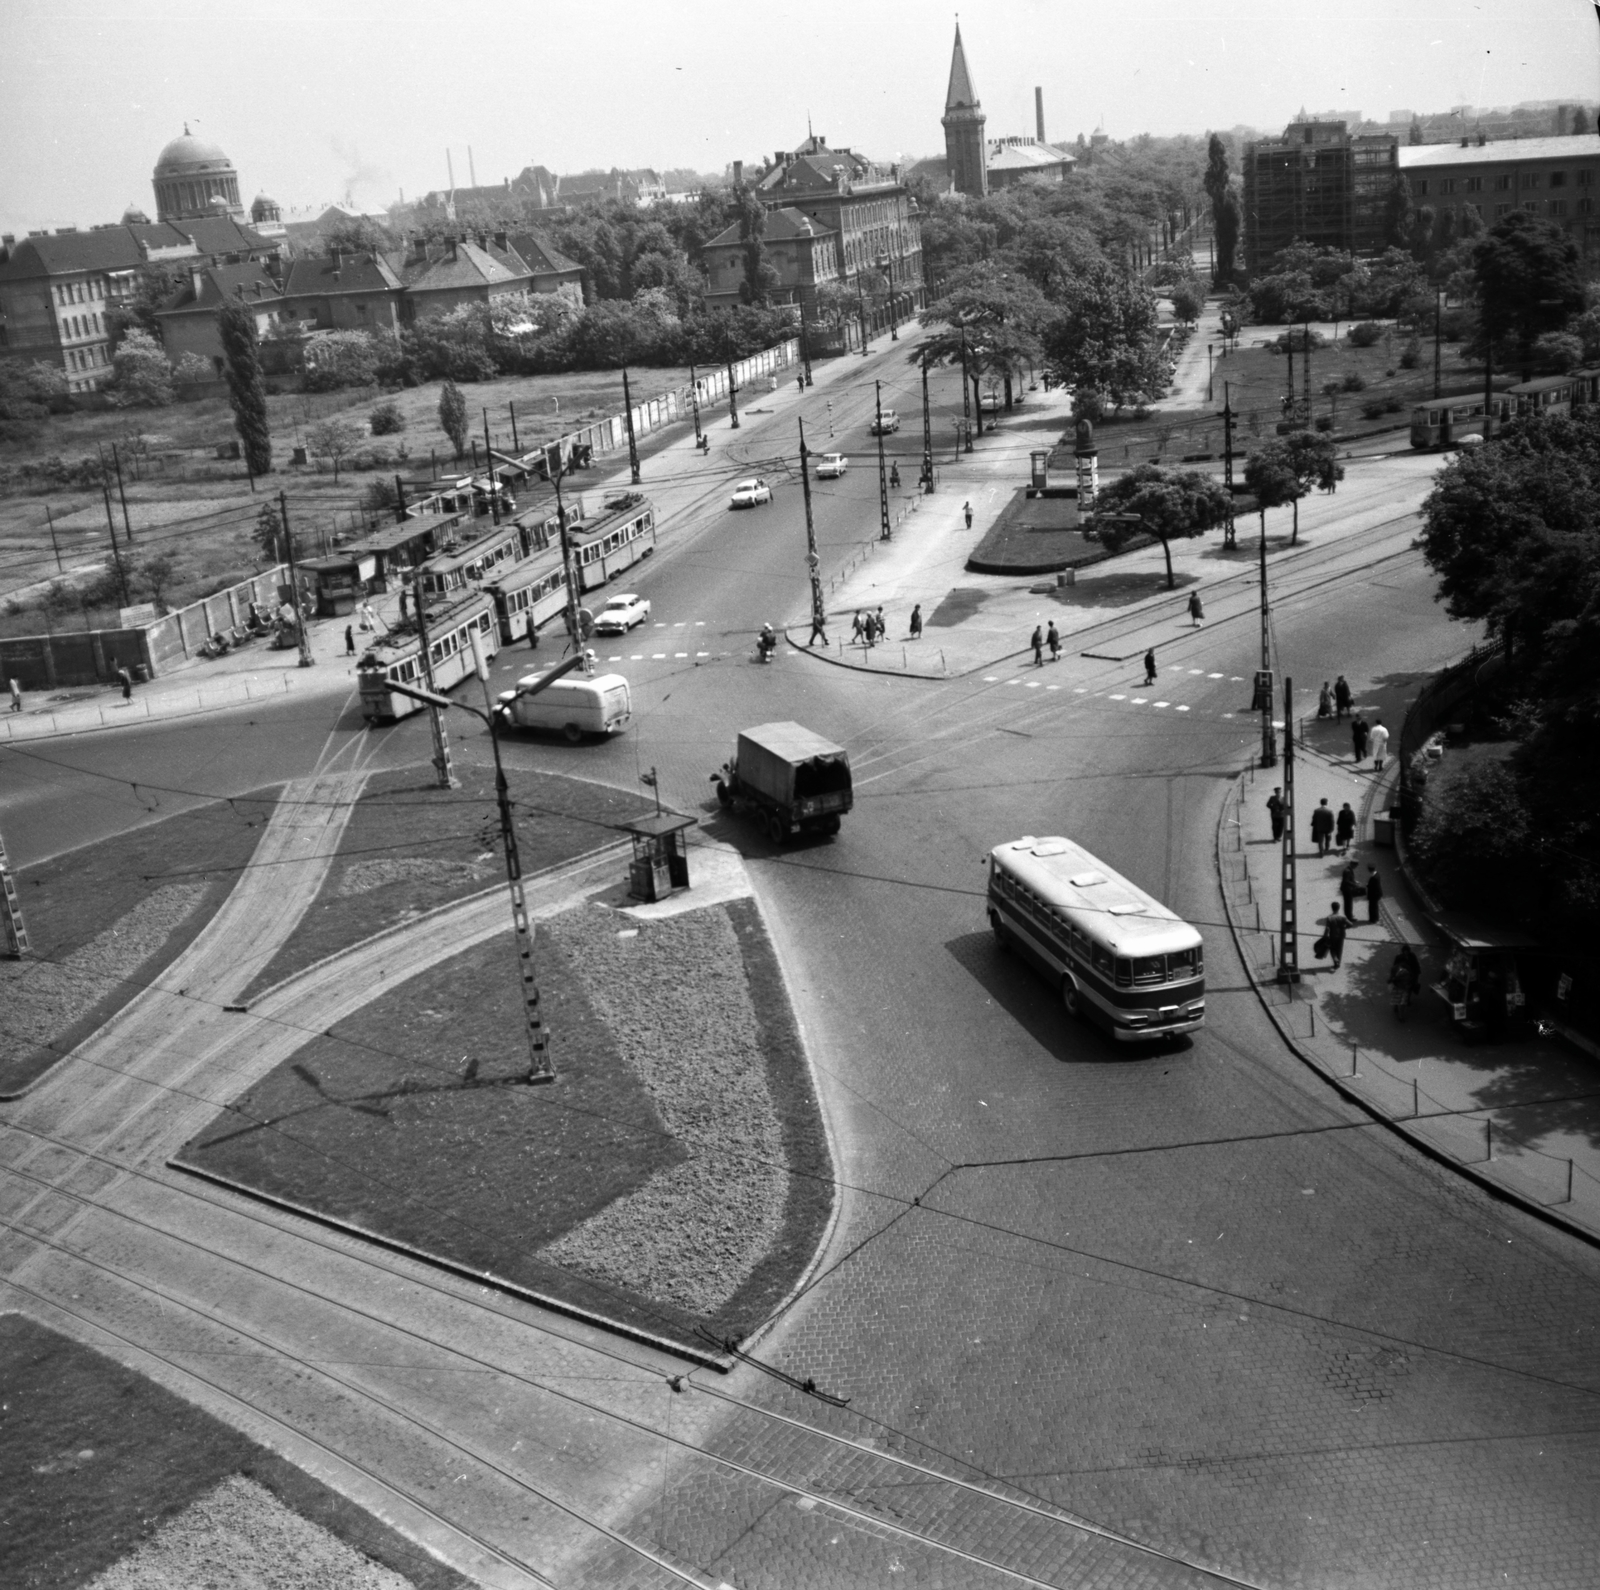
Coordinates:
<point>1038,113</point>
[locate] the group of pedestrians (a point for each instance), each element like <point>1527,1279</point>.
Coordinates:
<point>872,628</point>
<point>1336,701</point>
<point>1041,638</point>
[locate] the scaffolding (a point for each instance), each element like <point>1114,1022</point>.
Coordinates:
<point>1315,185</point>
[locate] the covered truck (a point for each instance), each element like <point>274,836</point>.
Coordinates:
<point>796,781</point>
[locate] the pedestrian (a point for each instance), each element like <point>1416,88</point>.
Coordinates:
<point>1378,740</point>
<point>403,599</point>
<point>533,630</point>
<point>916,622</point>
<point>1341,698</point>
<point>1053,640</point>
<point>856,629</point>
<point>1196,611</point>
<point>1374,893</point>
<point>1405,978</point>
<point>364,616</point>
<point>1150,666</point>
<point>1358,735</point>
<point>818,619</point>
<point>966,513</point>
<point>1349,889</point>
<point>1322,827</point>
<point>349,640</point>
<point>126,680</point>
<point>16,695</point>
<point>1325,701</point>
<point>1344,827</point>
<point>1036,640</point>
<point>1277,810</point>
<point>879,627</point>
<point>1336,925</point>
<point>800,385</point>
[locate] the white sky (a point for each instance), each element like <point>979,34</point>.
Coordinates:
<point>308,96</point>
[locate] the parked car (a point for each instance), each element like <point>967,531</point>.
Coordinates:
<point>886,423</point>
<point>831,466</point>
<point>749,492</point>
<point>621,614</point>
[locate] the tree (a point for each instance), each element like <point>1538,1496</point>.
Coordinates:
<point>247,392</point>
<point>154,574</point>
<point>153,285</point>
<point>1271,478</point>
<point>1170,504</point>
<point>142,378</point>
<point>28,393</point>
<point>1529,281</point>
<point>340,359</point>
<point>1187,302</point>
<point>1399,214</point>
<point>336,438</point>
<point>1315,462</point>
<point>759,276</point>
<point>1224,209</point>
<point>996,312</point>
<point>1474,832</point>
<point>1104,339</point>
<point>453,416</point>
<point>268,532</point>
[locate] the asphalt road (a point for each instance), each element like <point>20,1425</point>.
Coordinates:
<point>1186,1294</point>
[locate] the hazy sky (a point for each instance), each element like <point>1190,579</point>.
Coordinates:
<point>310,97</point>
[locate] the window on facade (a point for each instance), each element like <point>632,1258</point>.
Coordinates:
<point>1474,184</point>
<point>1502,209</point>
<point>1502,183</point>
<point>1447,185</point>
<point>1585,205</point>
<point>1558,207</point>
<point>1530,179</point>
<point>1422,188</point>
<point>1558,179</point>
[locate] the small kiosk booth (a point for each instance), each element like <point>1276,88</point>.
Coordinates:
<point>1481,982</point>
<point>341,581</point>
<point>660,864</point>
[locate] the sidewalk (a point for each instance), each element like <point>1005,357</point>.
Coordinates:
<point>1522,1117</point>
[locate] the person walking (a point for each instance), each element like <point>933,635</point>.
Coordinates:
<point>966,513</point>
<point>817,619</point>
<point>1335,925</point>
<point>1349,889</point>
<point>1374,893</point>
<point>1196,612</point>
<point>1341,698</point>
<point>533,629</point>
<point>916,622</point>
<point>405,598</point>
<point>1358,736</point>
<point>855,629</point>
<point>1344,828</point>
<point>1277,810</point>
<point>1405,978</point>
<point>879,628</point>
<point>1378,743</point>
<point>126,680</point>
<point>869,628</point>
<point>349,640</point>
<point>16,695</point>
<point>1150,666</point>
<point>1325,701</point>
<point>1053,641</point>
<point>1036,640</point>
<point>1322,827</point>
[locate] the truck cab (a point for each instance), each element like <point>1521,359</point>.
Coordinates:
<point>792,779</point>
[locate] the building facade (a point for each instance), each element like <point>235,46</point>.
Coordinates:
<point>965,147</point>
<point>1316,184</point>
<point>1014,162</point>
<point>802,252</point>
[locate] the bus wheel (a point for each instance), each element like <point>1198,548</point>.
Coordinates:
<point>573,733</point>
<point>1070,1000</point>
<point>1001,936</point>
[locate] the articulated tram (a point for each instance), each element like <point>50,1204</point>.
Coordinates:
<point>537,587</point>
<point>1447,421</point>
<point>398,657</point>
<point>623,534</point>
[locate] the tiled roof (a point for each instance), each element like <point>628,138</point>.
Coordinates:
<point>1027,157</point>
<point>111,248</point>
<point>1576,146</point>
<point>539,256</point>
<point>354,273</point>
<point>220,282</point>
<point>471,267</point>
<point>782,225</point>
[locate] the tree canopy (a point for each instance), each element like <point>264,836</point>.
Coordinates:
<point>1529,280</point>
<point>1171,504</point>
<point>1103,340</point>
<point>247,391</point>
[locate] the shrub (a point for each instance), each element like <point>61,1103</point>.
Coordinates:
<point>1373,411</point>
<point>143,378</point>
<point>386,420</point>
<point>1365,334</point>
<point>1353,382</point>
<point>340,359</point>
<point>1324,422</point>
<point>1392,405</point>
<point>1411,354</point>
<point>381,495</point>
<point>192,369</point>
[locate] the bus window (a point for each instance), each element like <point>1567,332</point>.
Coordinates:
<point>1148,969</point>
<point>1124,972</point>
<point>1102,959</point>
<point>1183,964</point>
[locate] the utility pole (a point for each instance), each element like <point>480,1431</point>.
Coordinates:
<point>111,525</point>
<point>1488,376</point>
<point>127,523</point>
<point>884,533</point>
<point>805,347</point>
<point>1269,748</point>
<point>927,430</point>
<point>441,741</point>
<point>49,519</point>
<point>1306,365</point>
<point>1288,407</point>
<point>1438,335</point>
<point>516,442</point>
<point>1231,534</point>
<point>16,942</point>
<point>819,612</point>
<point>567,571</point>
<point>306,659</point>
<point>861,304</point>
<point>1289,914</point>
<point>633,445</point>
<point>494,479</point>
<point>733,400</point>
<point>694,399</point>
<point>966,395</point>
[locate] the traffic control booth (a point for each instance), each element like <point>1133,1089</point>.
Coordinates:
<point>660,864</point>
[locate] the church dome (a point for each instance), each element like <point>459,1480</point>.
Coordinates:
<point>194,179</point>
<point>134,216</point>
<point>189,153</point>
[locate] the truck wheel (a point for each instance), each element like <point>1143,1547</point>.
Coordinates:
<point>573,733</point>
<point>1070,1002</point>
<point>724,795</point>
<point>777,829</point>
<point>1001,936</point>
<point>831,826</point>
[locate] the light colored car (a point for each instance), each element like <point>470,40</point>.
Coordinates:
<point>831,466</point>
<point>749,492</point>
<point>885,424</point>
<point>621,614</point>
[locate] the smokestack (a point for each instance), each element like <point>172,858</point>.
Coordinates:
<point>450,166</point>
<point>1038,114</point>
<point>472,170</point>
<point>738,173</point>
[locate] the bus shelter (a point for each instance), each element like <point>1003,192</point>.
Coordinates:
<point>660,864</point>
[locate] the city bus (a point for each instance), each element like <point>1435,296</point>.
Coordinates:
<point>398,656</point>
<point>1119,958</point>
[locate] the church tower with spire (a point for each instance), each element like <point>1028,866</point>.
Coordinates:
<point>966,149</point>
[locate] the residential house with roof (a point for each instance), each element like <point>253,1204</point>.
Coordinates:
<point>875,225</point>
<point>803,252</point>
<point>437,276</point>
<point>57,288</point>
<point>552,271</point>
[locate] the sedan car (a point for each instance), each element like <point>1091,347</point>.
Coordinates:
<point>831,466</point>
<point>621,614</point>
<point>749,492</point>
<point>885,424</point>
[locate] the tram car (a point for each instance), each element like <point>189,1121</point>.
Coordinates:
<point>623,534</point>
<point>397,658</point>
<point>537,587</point>
<point>1447,421</point>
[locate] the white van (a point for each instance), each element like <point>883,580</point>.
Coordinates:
<point>573,706</point>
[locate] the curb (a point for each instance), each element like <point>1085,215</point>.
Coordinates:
<point>1400,1128</point>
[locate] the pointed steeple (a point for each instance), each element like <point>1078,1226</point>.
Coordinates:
<point>961,94</point>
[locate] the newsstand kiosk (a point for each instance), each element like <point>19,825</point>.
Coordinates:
<point>660,864</point>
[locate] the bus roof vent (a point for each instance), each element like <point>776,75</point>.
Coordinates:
<point>1027,842</point>
<point>1122,907</point>
<point>1087,880</point>
<point>1050,847</point>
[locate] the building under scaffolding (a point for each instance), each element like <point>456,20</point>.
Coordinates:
<point>1316,185</point>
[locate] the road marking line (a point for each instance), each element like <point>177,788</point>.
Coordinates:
<point>1138,701</point>
<point>1052,687</point>
<point>680,654</point>
<point>679,624</point>
<point>1163,703</point>
<point>1119,698</point>
<point>1213,676</point>
<point>658,656</point>
<point>1227,714</point>
<point>699,623</point>
<point>702,654</point>
<point>617,658</point>
<point>1183,709</point>
<point>1033,684</point>
<point>991,679</point>
<point>1197,670</point>
<point>1080,690</point>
